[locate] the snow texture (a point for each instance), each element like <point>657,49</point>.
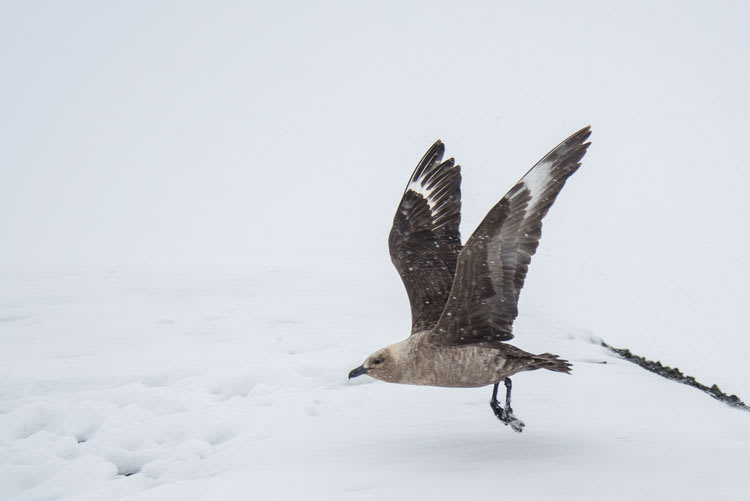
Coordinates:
<point>194,208</point>
<point>229,385</point>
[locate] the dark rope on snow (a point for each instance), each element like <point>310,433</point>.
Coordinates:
<point>676,375</point>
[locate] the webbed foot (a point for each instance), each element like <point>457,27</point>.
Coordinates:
<point>505,414</point>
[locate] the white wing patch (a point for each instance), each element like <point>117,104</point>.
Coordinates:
<point>537,181</point>
<point>416,186</point>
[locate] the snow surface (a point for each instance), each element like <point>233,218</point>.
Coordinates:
<point>194,207</point>
<point>232,385</point>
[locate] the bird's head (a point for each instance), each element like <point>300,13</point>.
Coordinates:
<point>383,365</point>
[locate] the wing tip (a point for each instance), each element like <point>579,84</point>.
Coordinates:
<point>433,156</point>
<point>580,136</point>
<point>572,149</point>
<point>438,145</point>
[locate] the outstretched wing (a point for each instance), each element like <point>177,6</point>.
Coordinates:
<point>492,265</point>
<point>424,241</point>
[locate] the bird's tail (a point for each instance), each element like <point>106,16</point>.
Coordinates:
<point>550,362</point>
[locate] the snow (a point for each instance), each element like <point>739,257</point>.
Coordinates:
<point>195,204</point>
<point>232,384</point>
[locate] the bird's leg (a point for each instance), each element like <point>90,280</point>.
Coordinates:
<point>505,414</point>
<point>495,405</point>
<point>512,420</point>
<point>508,387</point>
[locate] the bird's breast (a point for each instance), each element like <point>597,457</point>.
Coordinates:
<point>455,366</point>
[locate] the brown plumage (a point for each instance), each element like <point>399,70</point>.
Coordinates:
<point>464,299</point>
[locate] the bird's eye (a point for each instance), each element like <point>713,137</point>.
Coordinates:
<point>376,361</point>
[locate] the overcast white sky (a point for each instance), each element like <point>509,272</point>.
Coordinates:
<point>254,133</point>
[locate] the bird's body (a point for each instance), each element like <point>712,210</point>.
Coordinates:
<point>464,299</point>
<point>419,360</point>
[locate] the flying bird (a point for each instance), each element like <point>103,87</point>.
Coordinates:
<point>464,299</point>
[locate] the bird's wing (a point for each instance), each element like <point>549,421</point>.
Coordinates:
<point>491,269</point>
<point>424,241</point>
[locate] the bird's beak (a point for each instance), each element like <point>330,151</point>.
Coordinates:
<point>358,371</point>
